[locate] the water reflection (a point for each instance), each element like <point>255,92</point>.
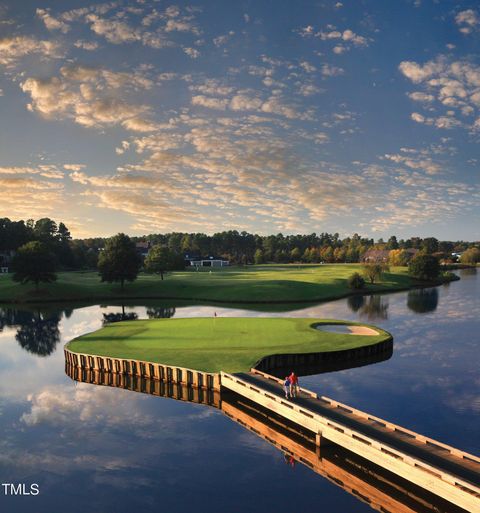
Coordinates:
<point>470,271</point>
<point>422,301</point>
<point>373,307</point>
<point>380,488</point>
<point>355,303</point>
<point>160,312</point>
<point>38,330</point>
<point>130,452</point>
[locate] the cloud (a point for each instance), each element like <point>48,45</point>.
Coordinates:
<point>86,45</point>
<point>451,85</point>
<point>114,31</point>
<point>210,103</point>
<point>74,167</point>
<point>331,71</point>
<point>468,21</point>
<point>192,52</point>
<point>89,96</point>
<point>333,34</point>
<point>52,23</point>
<point>417,162</point>
<point>12,49</point>
<point>223,39</point>
<point>421,97</point>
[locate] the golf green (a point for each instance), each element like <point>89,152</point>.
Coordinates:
<point>215,344</point>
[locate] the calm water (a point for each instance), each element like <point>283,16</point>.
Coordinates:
<point>102,450</point>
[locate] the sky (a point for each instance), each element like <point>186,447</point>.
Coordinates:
<point>266,116</point>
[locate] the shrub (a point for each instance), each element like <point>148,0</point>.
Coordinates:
<point>356,281</point>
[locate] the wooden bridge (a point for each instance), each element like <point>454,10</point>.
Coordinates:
<point>443,470</point>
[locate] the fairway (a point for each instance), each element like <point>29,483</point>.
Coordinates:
<point>215,344</point>
<point>249,284</point>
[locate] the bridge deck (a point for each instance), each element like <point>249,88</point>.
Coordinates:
<point>429,453</point>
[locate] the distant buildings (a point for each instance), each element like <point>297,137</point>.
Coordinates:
<point>380,256</point>
<point>210,261</point>
<point>6,257</point>
<point>142,248</point>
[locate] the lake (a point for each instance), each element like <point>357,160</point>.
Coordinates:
<point>101,449</point>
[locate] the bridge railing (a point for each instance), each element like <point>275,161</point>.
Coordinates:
<point>446,485</point>
<point>384,423</point>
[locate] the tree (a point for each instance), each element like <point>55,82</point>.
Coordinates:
<point>398,257</point>
<point>119,261</point>
<point>373,272</point>
<point>392,243</point>
<point>356,281</point>
<point>161,259</point>
<point>429,245</point>
<point>258,258</point>
<point>295,255</point>
<point>45,229</point>
<point>424,267</point>
<point>470,256</point>
<point>34,262</point>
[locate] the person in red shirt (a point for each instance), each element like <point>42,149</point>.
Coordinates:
<point>293,384</point>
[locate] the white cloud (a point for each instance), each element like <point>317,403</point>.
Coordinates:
<point>468,21</point>
<point>455,85</point>
<point>74,167</point>
<point>421,97</point>
<point>417,117</point>
<point>192,52</point>
<point>12,49</point>
<point>210,103</point>
<point>86,45</point>
<point>86,96</point>
<point>52,23</point>
<point>331,71</point>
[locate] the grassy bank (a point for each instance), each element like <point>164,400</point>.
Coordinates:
<point>267,283</point>
<point>214,344</point>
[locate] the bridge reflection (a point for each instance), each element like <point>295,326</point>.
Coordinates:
<point>381,489</point>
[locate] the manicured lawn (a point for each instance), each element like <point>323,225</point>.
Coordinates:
<point>267,283</point>
<point>214,344</point>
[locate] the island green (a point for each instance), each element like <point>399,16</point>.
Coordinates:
<point>215,344</point>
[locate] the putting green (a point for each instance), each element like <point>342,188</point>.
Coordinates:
<point>215,344</point>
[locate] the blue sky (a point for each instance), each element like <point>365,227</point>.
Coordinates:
<point>266,116</point>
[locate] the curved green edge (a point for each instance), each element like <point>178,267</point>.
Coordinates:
<point>230,344</point>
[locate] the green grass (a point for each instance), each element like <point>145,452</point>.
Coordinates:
<point>267,283</point>
<point>214,344</point>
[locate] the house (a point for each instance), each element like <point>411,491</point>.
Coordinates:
<point>380,256</point>
<point>376,256</point>
<point>142,248</point>
<point>210,261</point>
<point>6,257</point>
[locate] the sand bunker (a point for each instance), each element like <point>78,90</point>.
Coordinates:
<point>348,330</point>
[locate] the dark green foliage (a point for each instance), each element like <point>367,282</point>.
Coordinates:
<point>161,259</point>
<point>424,267</point>
<point>119,261</point>
<point>34,262</point>
<point>356,281</point>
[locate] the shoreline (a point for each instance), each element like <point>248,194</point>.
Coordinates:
<point>91,300</point>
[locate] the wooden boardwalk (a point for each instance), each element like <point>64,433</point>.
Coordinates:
<point>390,468</point>
<point>447,472</point>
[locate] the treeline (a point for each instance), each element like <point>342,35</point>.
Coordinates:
<point>237,247</point>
